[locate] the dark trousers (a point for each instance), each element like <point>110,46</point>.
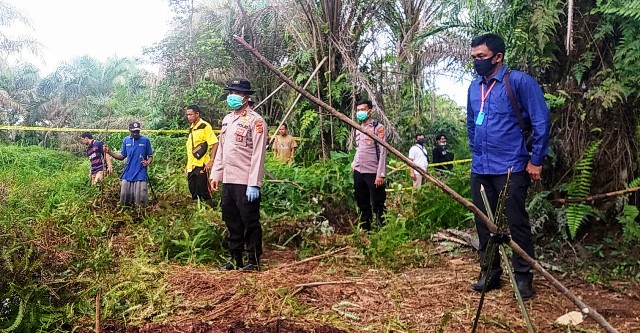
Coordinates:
<point>517,216</point>
<point>243,222</point>
<point>366,193</point>
<point>198,180</point>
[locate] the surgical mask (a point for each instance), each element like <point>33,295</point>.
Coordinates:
<point>234,101</point>
<point>442,143</point>
<point>362,115</point>
<point>484,66</point>
<point>420,141</point>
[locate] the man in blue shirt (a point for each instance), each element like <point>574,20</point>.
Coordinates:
<point>497,144</point>
<point>136,148</point>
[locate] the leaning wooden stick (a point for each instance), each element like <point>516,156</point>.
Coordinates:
<point>587,310</point>
<point>271,94</point>
<point>296,100</point>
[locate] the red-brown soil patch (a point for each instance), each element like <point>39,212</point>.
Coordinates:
<point>358,298</point>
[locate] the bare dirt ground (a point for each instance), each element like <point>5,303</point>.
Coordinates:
<point>350,296</point>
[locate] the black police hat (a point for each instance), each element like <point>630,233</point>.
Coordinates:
<point>240,84</point>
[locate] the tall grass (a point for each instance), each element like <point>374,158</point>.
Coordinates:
<point>62,241</point>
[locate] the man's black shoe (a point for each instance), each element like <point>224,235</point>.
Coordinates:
<point>493,283</point>
<point>227,267</point>
<point>250,268</point>
<point>526,289</point>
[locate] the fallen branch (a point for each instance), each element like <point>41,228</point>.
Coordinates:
<point>328,254</point>
<point>591,312</point>
<point>596,197</point>
<point>442,236</point>
<point>324,283</point>
<point>469,238</point>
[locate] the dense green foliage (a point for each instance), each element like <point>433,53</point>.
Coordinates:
<point>62,241</point>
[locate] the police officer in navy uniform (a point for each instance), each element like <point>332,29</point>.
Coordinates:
<point>239,165</point>
<point>369,167</point>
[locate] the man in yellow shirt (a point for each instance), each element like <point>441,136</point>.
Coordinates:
<point>202,145</point>
<point>284,145</point>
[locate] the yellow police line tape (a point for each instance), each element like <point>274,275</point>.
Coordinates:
<point>167,131</point>
<point>431,165</point>
<point>91,130</point>
<point>99,130</point>
<point>406,167</point>
<point>447,163</point>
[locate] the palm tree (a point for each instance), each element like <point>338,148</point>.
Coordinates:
<point>10,45</point>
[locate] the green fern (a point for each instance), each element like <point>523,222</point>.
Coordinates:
<point>579,69</point>
<point>628,215</point>
<point>544,20</point>
<point>634,183</point>
<point>625,8</point>
<point>579,188</point>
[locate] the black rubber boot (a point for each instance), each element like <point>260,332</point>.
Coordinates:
<point>253,265</point>
<point>365,225</point>
<point>524,283</point>
<point>492,280</point>
<point>380,219</point>
<point>235,263</point>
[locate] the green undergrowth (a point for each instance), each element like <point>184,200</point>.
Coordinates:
<point>63,242</point>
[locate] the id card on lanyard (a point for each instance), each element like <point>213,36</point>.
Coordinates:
<point>483,97</point>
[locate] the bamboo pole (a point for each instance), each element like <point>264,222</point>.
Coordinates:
<point>271,94</point>
<point>306,84</point>
<point>584,308</point>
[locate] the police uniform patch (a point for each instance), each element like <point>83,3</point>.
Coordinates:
<point>259,126</point>
<point>380,132</point>
<point>367,141</point>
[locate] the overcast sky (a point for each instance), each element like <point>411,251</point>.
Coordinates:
<point>101,29</point>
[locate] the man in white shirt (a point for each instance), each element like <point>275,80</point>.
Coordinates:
<point>418,155</point>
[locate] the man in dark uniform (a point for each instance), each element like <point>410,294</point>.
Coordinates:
<point>369,167</point>
<point>442,154</point>
<point>239,165</point>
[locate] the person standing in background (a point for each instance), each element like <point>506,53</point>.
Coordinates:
<point>441,154</point>
<point>136,149</point>
<point>284,145</point>
<point>97,157</point>
<point>418,155</point>
<point>369,168</point>
<point>202,145</point>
